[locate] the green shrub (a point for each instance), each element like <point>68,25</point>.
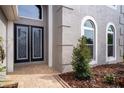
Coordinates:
<point>80,60</point>
<point>2,56</point>
<point>2,68</point>
<point>109,78</point>
<point>2,53</point>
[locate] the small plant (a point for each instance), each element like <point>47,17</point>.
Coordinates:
<point>109,78</point>
<point>80,60</point>
<point>2,68</point>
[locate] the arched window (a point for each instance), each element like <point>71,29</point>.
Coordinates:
<point>89,30</point>
<point>30,11</point>
<point>110,41</point>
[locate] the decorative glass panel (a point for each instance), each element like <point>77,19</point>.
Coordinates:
<point>37,42</point>
<point>22,42</point>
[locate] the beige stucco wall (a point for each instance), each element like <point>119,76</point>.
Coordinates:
<point>67,30</point>
<point>71,33</point>
<point>65,34</point>
<point>57,38</point>
<point>72,17</point>
<point>3,29</point>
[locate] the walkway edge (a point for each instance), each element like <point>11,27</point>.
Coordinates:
<point>61,81</point>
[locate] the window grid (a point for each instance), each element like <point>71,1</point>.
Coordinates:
<point>90,28</point>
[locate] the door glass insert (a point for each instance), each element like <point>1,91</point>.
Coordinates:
<point>22,42</point>
<point>36,42</point>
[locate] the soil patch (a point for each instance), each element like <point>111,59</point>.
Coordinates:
<point>97,80</point>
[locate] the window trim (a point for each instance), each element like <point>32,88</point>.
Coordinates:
<point>95,30</point>
<point>30,17</point>
<point>111,58</point>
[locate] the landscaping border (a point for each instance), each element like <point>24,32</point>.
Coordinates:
<point>61,81</point>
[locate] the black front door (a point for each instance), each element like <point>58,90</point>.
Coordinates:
<point>28,43</point>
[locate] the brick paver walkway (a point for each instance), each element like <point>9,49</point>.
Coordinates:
<point>35,75</point>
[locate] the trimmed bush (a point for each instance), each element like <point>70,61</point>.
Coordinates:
<point>80,60</point>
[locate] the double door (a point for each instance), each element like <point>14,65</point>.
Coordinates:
<point>28,43</point>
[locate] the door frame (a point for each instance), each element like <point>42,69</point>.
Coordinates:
<point>30,59</point>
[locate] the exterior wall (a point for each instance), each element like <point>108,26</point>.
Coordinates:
<point>3,31</point>
<point>68,30</point>
<point>71,21</point>
<point>10,47</point>
<point>57,38</point>
<point>121,39</point>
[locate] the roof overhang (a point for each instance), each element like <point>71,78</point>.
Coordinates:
<point>10,11</point>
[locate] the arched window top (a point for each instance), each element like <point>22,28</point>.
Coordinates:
<point>111,28</point>
<point>89,24</point>
<point>30,11</point>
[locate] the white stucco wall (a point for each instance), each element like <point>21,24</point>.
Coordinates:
<point>50,36</point>
<point>10,47</point>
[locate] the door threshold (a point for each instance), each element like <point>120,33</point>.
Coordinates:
<point>37,62</point>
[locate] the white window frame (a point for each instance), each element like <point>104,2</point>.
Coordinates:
<point>30,17</point>
<point>95,32</point>
<point>112,58</point>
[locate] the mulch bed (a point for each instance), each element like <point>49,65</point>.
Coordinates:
<point>97,80</point>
